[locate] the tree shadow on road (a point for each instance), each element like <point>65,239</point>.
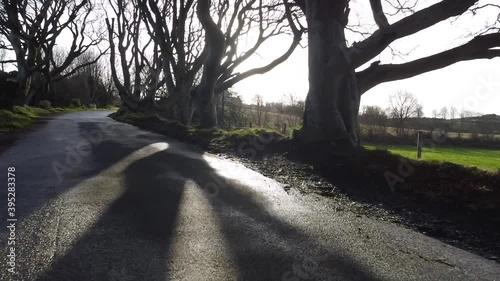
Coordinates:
<point>37,183</point>
<point>133,237</point>
<point>264,245</point>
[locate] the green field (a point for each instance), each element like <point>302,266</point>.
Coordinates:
<point>487,159</point>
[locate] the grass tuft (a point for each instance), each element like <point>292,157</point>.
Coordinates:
<point>10,121</point>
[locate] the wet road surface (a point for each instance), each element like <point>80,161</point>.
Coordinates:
<point>101,200</point>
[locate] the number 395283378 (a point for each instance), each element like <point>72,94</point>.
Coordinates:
<point>11,195</point>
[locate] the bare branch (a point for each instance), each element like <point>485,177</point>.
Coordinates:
<point>481,47</point>
<point>378,13</point>
<point>362,52</point>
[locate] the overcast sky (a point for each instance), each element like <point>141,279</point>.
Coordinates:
<point>473,85</point>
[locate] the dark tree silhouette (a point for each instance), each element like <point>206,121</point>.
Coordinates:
<point>239,21</point>
<point>332,104</point>
<point>133,58</point>
<point>174,28</point>
<point>33,27</point>
<point>215,45</point>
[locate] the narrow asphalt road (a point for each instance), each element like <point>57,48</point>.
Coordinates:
<point>101,200</point>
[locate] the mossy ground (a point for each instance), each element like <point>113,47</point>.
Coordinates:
<point>24,116</point>
<point>204,137</point>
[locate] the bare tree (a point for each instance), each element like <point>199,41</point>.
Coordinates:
<point>259,109</point>
<point>453,112</point>
<point>444,112</point>
<point>403,105</point>
<point>124,31</point>
<point>255,22</point>
<point>188,39</point>
<point>215,45</point>
<point>33,27</point>
<point>91,73</point>
<point>174,27</point>
<point>3,54</point>
<point>434,113</point>
<point>420,111</point>
<point>238,21</point>
<point>336,87</point>
<point>293,108</point>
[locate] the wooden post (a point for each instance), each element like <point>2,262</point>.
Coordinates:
<point>250,124</point>
<point>419,144</point>
<point>284,128</point>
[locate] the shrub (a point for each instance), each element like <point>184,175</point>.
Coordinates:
<point>45,104</point>
<point>75,103</point>
<point>92,105</point>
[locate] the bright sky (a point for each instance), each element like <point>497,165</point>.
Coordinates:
<point>473,85</point>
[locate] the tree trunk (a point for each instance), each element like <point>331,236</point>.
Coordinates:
<point>9,87</point>
<point>206,104</point>
<point>216,46</point>
<point>185,108</point>
<point>23,86</point>
<point>44,92</point>
<point>332,104</point>
<point>223,108</point>
<point>38,88</point>
<point>182,104</point>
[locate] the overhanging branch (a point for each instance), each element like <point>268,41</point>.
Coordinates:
<point>261,70</point>
<point>78,67</point>
<point>8,61</point>
<point>481,47</point>
<point>364,51</point>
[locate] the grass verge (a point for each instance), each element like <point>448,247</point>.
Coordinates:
<point>24,116</point>
<point>213,138</point>
<point>483,158</point>
<point>460,185</point>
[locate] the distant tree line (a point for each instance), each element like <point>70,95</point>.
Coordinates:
<point>405,116</point>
